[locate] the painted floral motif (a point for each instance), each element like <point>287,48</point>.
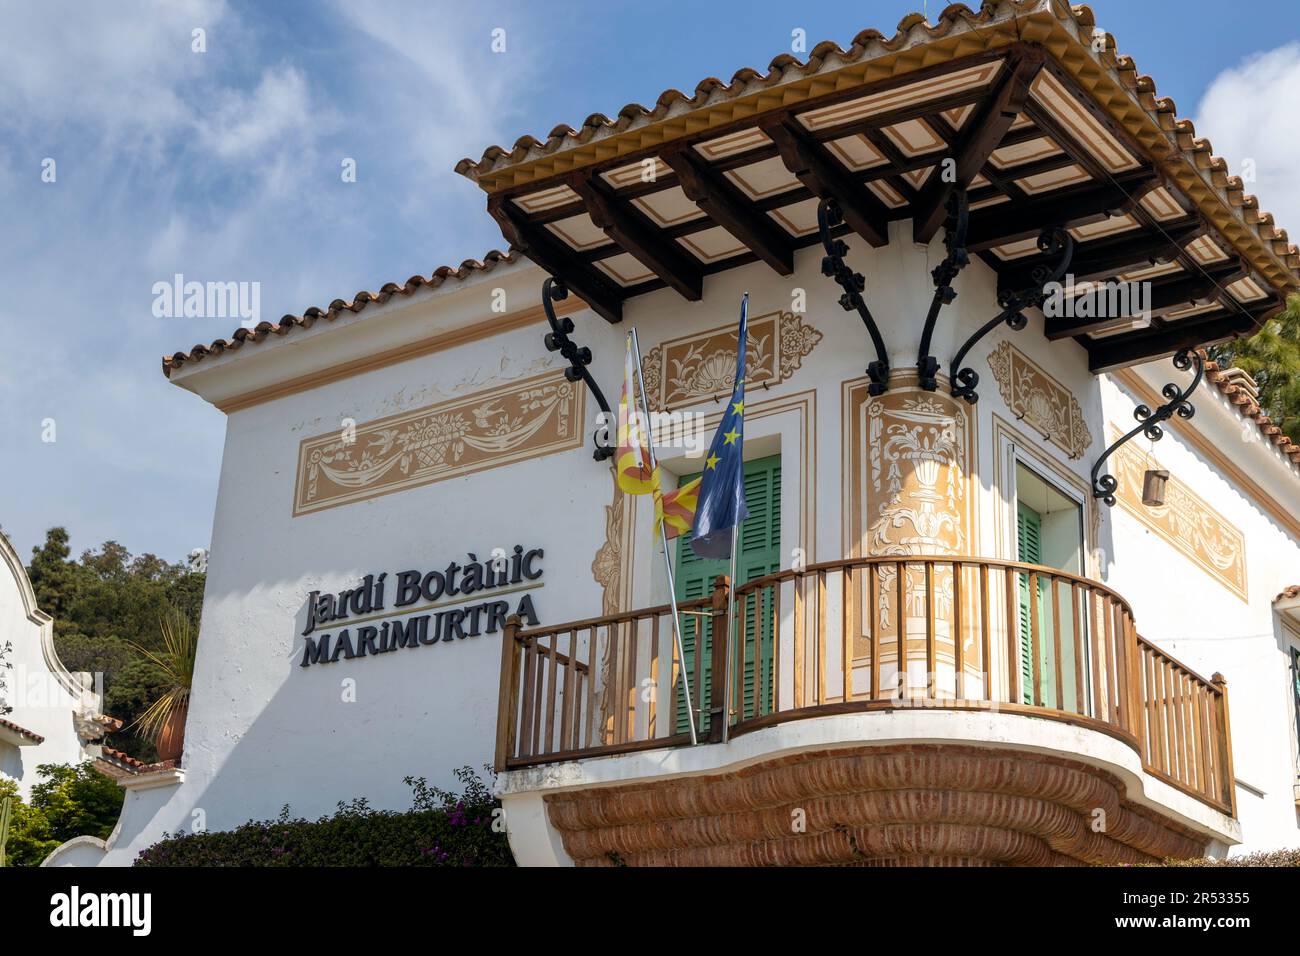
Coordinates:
<point>702,365</point>
<point>1039,400</point>
<point>505,424</point>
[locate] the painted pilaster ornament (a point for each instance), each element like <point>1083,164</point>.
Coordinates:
<point>1104,485</point>
<point>557,340</point>
<point>829,215</point>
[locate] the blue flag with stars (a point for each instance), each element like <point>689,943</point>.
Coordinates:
<point>722,486</point>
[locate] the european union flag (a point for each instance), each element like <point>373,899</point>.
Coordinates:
<point>722,486</point>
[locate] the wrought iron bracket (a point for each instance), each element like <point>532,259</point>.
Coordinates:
<point>1013,302</point>
<point>1105,485</point>
<point>829,215</point>
<point>944,274</point>
<point>557,340</point>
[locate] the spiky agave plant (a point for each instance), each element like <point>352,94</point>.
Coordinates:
<point>176,661</point>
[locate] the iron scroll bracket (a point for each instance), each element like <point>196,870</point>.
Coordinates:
<point>1053,241</point>
<point>557,340</point>
<point>944,274</point>
<point>829,215</point>
<point>1105,485</point>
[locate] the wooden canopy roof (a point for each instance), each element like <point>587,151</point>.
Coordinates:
<point>1037,119</point>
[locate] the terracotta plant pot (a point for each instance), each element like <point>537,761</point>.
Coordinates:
<point>171,742</point>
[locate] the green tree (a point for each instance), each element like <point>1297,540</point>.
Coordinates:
<point>1272,357</point>
<point>106,607</point>
<point>67,802</point>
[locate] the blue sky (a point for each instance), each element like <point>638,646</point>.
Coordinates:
<point>225,166</point>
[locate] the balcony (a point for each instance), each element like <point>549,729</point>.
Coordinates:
<point>971,655</point>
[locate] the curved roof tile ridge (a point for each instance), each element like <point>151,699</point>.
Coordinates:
<point>358,302</point>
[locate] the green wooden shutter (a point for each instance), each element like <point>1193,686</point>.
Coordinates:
<point>1295,686</point>
<point>1029,546</point>
<point>759,553</point>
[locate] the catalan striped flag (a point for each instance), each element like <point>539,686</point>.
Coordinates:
<point>632,469</point>
<point>675,510</point>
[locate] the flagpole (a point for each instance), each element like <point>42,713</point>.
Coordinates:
<point>663,538</point>
<point>731,617</point>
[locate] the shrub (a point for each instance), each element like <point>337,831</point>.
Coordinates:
<point>1265,858</point>
<point>441,829</point>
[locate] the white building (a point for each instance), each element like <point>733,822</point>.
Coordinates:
<point>47,715</point>
<point>1059,701</point>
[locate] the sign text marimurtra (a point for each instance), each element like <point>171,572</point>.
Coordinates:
<point>471,578</point>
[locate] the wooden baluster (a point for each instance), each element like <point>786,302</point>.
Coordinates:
<point>1229,795</point>
<point>1035,642</point>
<point>550,692</point>
<point>615,683</point>
<point>633,664</point>
<point>526,705</point>
<point>1134,672</point>
<point>846,631</point>
<point>720,649</point>
<point>540,675</point>
<point>900,587</point>
<point>986,664</point>
<point>1059,700</point>
<point>1185,726</point>
<point>959,678</point>
<point>799,638</point>
<point>1202,754</point>
<point>1015,693</point>
<point>931,657</point>
<point>821,636</point>
<point>1122,688</point>
<point>1158,689</point>
<point>1112,668</point>
<point>567,716</point>
<point>1080,695</point>
<point>508,701</point>
<point>774,691</point>
<point>652,712</point>
<point>1098,659</point>
<point>1167,694</point>
<point>592,709</point>
<point>873,617</point>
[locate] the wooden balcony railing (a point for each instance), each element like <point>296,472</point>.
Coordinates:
<point>877,633</point>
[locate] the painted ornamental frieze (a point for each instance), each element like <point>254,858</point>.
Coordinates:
<point>1185,520</point>
<point>1039,400</point>
<point>699,366</point>
<point>497,426</point>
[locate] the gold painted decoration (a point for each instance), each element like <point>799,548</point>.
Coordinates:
<point>1185,520</point>
<point>685,370</point>
<point>1039,400</point>
<point>497,426</point>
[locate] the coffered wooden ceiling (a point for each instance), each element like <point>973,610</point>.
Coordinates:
<point>1039,127</point>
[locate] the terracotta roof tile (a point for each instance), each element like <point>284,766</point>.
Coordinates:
<point>22,731</point>
<point>120,761</point>
<point>1239,394</point>
<point>1291,592</point>
<point>259,333</point>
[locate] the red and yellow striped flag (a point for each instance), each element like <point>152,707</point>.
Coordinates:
<point>675,510</point>
<point>632,468</point>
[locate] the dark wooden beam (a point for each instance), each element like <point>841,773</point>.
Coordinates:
<point>827,179</point>
<point>1214,327</point>
<point>1004,223</point>
<point>724,204</point>
<point>1108,257</point>
<point>1166,294</point>
<point>978,139</point>
<point>550,252</point>
<point>662,256</point>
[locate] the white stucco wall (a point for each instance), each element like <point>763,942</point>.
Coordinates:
<point>39,687</point>
<point>264,732</point>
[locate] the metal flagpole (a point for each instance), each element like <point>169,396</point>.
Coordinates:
<point>663,538</point>
<point>731,617</point>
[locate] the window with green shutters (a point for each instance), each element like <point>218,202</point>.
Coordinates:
<point>758,553</point>
<point>1029,542</point>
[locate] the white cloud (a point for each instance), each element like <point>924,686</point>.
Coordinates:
<point>1251,113</point>
<point>245,124</point>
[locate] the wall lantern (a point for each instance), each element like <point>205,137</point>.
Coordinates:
<point>1153,487</point>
